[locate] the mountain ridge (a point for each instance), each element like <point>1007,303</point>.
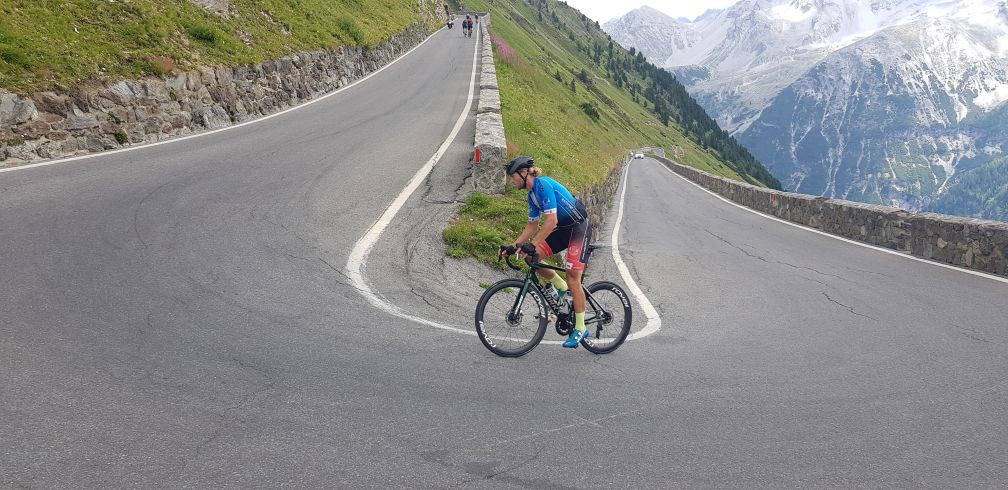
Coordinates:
<point>883,102</point>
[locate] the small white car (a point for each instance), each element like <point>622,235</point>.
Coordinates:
<point>638,155</point>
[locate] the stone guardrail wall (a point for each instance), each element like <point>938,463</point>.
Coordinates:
<point>598,197</point>
<point>90,119</point>
<point>972,243</point>
<point>488,173</point>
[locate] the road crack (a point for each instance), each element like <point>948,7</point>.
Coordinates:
<point>809,269</point>
<point>136,214</point>
<point>348,280</point>
<point>848,308</point>
<point>736,247</point>
<point>424,298</point>
<point>764,259</point>
<point>971,333</point>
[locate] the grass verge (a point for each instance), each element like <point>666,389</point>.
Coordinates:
<point>565,111</point>
<point>46,44</point>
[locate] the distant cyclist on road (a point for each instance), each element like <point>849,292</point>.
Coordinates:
<point>557,221</point>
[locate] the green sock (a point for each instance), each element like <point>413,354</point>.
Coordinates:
<point>559,283</point>
<point>579,321</point>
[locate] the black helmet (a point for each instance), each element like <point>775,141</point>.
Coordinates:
<point>518,163</point>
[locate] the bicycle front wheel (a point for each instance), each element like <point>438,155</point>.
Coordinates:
<point>608,316</point>
<point>508,325</point>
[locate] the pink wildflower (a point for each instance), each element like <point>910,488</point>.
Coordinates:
<point>507,53</point>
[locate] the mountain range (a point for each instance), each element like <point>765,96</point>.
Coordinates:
<point>895,102</point>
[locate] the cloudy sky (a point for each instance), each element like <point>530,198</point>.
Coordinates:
<point>603,10</point>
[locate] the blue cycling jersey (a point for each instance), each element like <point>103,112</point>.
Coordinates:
<point>548,196</point>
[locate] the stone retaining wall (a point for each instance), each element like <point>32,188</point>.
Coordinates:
<point>973,243</point>
<point>91,119</point>
<point>598,197</point>
<point>488,173</point>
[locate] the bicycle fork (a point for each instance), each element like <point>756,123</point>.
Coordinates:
<point>514,316</point>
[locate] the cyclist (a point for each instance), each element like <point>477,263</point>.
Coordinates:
<point>467,26</point>
<point>557,221</point>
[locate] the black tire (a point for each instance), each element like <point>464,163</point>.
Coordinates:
<point>514,337</point>
<point>615,324</point>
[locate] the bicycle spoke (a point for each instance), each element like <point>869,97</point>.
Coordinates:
<point>607,317</point>
<point>507,330</point>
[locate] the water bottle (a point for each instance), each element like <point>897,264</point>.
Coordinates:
<point>554,296</point>
<point>566,304</point>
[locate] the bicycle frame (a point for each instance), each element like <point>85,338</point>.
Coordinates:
<point>532,280</point>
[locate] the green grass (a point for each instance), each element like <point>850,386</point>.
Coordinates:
<point>575,135</point>
<point>484,224</point>
<point>203,33</point>
<point>46,44</point>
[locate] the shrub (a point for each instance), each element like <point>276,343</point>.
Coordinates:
<point>590,110</point>
<point>201,33</point>
<point>121,137</point>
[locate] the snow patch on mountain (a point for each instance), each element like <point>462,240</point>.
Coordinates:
<point>876,100</point>
<point>757,47</point>
<point>992,98</point>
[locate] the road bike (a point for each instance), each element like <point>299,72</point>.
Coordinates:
<point>512,315</point>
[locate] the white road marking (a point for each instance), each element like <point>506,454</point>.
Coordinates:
<point>653,320</point>
<point>855,242</point>
<point>358,256</point>
<point>207,133</point>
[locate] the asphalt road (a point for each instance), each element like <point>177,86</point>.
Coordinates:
<point>179,316</point>
<point>811,361</point>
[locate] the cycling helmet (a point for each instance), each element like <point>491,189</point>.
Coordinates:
<point>518,163</point>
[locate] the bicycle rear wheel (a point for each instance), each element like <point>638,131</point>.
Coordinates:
<point>505,330</point>
<point>607,317</point>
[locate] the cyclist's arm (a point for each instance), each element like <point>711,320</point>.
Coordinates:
<point>549,223</point>
<point>529,230</point>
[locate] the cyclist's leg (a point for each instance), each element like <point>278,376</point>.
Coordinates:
<point>555,243</point>
<point>576,248</point>
<point>575,270</point>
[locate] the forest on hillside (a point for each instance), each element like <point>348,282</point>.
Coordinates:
<point>655,88</point>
